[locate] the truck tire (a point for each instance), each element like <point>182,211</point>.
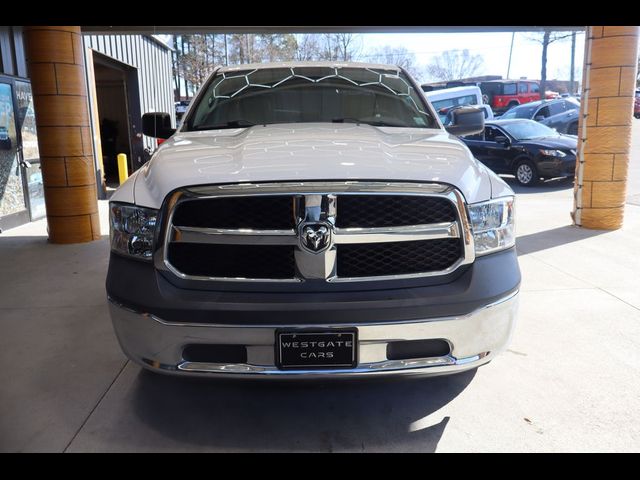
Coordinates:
<point>526,173</point>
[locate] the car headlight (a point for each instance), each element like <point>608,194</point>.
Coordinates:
<point>553,153</point>
<point>132,229</point>
<point>493,225</point>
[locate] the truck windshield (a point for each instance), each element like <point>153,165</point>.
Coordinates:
<point>310,94</point>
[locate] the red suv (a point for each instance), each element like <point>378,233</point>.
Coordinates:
<point>504,94</point>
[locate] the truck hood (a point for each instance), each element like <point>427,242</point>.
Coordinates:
<point>310,151</point>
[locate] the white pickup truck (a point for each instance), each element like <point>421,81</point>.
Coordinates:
<point>312,220</point>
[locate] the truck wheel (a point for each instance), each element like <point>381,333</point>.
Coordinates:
<point>573,129</point>
<point>511,105</point>
<point>526,173</point>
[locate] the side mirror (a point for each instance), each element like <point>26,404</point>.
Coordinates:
<point>539,118</point>
<point>502,140</point>
<point>466,121</point>
<point>157,125</point>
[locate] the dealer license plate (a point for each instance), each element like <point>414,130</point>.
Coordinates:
<point>316,349</point>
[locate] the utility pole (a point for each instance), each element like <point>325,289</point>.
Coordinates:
<point>572,87</point>
<point>510,53</point>
<point>226,51</point>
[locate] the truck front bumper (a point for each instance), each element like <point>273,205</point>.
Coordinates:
<point>475,338</point>
<point>471,315</point>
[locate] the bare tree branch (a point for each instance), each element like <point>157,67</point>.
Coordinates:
<point>396,56</point>
<point>545,39</point>
<point>455,64</point>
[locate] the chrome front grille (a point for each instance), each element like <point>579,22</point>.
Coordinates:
<point>320,231</point>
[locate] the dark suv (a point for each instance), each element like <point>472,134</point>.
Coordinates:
<point>561,115</point>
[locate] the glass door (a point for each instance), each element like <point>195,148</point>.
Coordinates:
<point>28,151</point>
<point>13,206</point>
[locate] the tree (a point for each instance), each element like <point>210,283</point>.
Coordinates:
<point>307,47</point>
<point>277,47</point>
<point>455,64</point>
<point>546,38</point>
<point>199,60</point>
<point>345,47</point>
<point>397,56</point>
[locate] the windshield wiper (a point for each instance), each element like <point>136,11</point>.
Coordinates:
<point>374,123</point>
<point>346,120</point>
<point>387,124</point>
<point>229,124</point>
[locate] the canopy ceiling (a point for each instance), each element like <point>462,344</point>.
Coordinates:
<point>147,30</point>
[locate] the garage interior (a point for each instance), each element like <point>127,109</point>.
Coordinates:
<point>114,117</point>
<point>550,391</point>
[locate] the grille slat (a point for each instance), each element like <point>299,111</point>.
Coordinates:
<point>397,258</point>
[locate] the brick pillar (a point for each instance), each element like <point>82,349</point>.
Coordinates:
<point>56,67</point>
<point>609,79</point>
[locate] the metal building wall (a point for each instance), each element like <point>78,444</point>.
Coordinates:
<point>12,58</point>
<point>153,62</point>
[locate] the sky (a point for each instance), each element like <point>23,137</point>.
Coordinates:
<point>494,47</point>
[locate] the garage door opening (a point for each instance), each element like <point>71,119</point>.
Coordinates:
<point>118,103</point>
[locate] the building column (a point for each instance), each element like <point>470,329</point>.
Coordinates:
<point>55,58</point>
<point>608,86</point>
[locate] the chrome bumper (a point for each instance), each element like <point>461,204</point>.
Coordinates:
<point>474,338</point>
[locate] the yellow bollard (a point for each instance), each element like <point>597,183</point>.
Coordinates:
<point>123,170</point>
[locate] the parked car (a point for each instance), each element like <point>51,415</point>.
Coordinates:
<point>505,94</point>
<point>561,114</point>
<point>5,140</point>
<point>636,105</point>
<point>524,148</point>
<point>312,220</point>
<point>181,108</point>
<point>445,100</point>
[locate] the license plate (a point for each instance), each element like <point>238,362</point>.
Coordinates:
<point>307,349</point>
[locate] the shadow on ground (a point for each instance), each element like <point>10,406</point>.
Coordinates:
<point>364,415</point>
<point>555,237</point>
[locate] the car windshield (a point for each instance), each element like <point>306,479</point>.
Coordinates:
<point>310,94</point>
<point>528,130</point>
<point>525,111</point>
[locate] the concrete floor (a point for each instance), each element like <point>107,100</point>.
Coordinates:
<point>569,381</point>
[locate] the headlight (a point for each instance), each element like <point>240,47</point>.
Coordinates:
<point>553,153</point>
<point>493,225</point>
<point>132,230</point>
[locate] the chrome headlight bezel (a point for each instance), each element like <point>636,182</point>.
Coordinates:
<point>132,230</point>
<point>493,225</point>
